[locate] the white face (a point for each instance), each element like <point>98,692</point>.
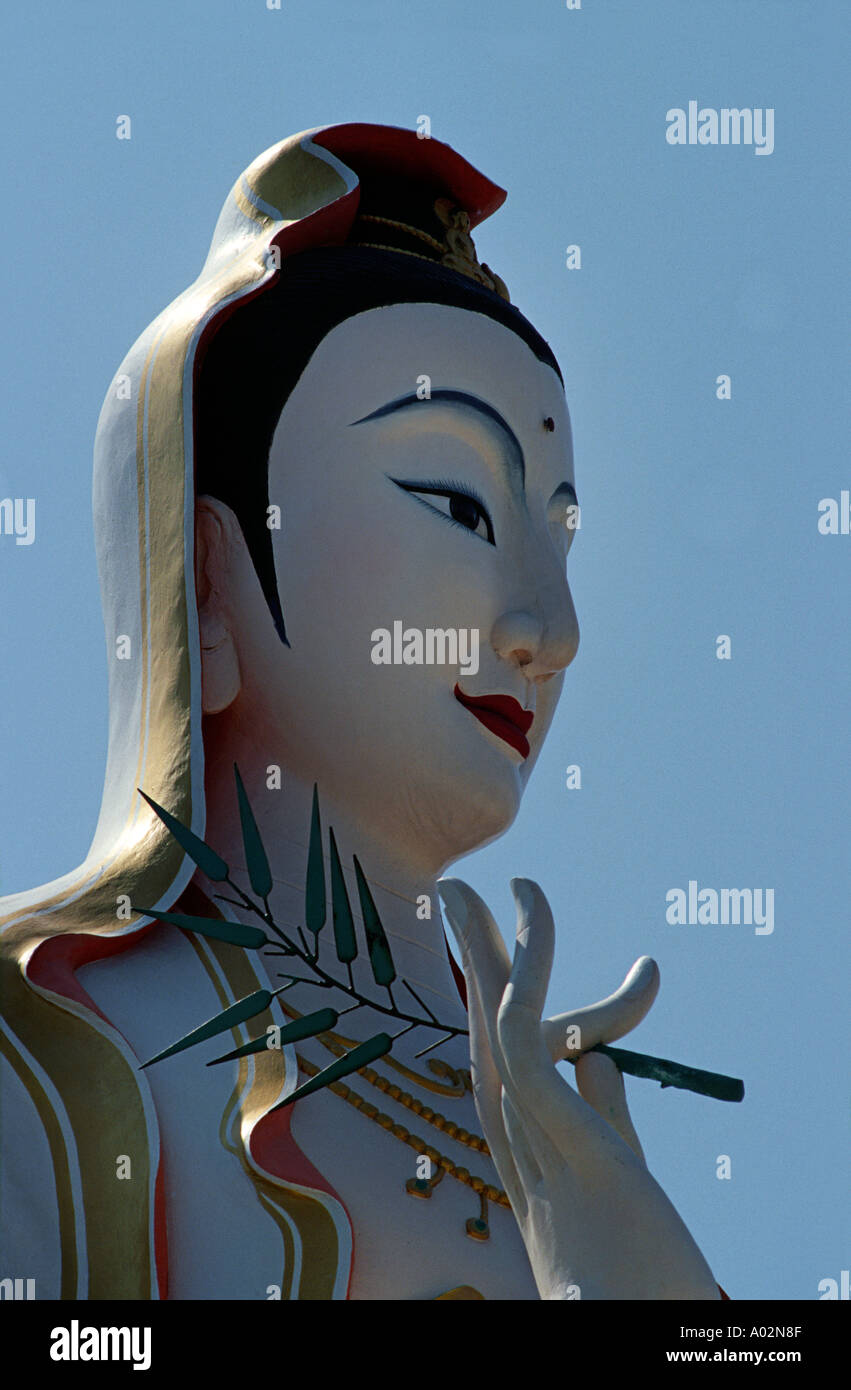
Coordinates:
<point>433,514</point>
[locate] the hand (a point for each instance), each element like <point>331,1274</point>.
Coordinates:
<point>596,1225</point>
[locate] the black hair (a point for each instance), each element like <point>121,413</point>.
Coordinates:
<point>247,368</point>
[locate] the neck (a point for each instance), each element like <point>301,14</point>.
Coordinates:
<point>404,890</point>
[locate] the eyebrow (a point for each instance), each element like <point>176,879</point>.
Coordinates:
<point>464,400</point>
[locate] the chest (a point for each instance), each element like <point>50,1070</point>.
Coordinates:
<point>407,1232</point>
<point>403,1149</point>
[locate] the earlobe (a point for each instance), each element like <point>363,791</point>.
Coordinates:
<point>220,678</point>
<point>220,674</point>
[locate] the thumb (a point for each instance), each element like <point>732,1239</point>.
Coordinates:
<point>568,1034</point>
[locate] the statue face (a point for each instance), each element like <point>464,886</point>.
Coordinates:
<point>403,516</point>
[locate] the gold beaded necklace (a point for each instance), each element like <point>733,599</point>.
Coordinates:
<point>477,1227</point>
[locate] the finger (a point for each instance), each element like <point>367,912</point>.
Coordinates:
<point>535,1154</point>
<point>487,1093</point>
<point>476,932</point>
<point>606,1020</point>
<point>601,1085</point>
<point>519,1018</point>
<point>486,969</point>
<point>527,1150</point>
<point>533,952</point>
<point>482,951</point>
<point>528,1167</point>
<point>541,1098</point>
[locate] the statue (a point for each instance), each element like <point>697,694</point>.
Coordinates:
<point>333,496</point>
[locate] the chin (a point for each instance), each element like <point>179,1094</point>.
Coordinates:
<point>465,800</point>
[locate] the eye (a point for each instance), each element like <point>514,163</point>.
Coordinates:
<point>564,516</point>
<point>459,505</point>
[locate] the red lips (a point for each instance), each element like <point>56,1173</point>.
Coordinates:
<point>503,715</point>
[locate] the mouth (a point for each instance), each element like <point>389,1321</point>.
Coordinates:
<point>503,715</point>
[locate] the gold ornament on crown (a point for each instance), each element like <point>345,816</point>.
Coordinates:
<point>456,251</point>
<point>461,253</point>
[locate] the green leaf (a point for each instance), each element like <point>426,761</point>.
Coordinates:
<point>207,860</point>
<point>314,889</point>
<point>243,1009</point>
<point>360,1056</point>
<point>344,926</point>
<point>300,1028</point>
<point>255,855</point>
<point>252,938</point>
<point>378,946</point>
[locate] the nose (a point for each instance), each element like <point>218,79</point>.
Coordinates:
<point>543,642</point>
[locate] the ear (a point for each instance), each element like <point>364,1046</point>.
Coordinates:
<point>217,538</point>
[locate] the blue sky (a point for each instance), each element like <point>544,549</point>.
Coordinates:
<point>699,516</point>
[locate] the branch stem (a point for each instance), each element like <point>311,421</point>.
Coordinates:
<point>329,982</point>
